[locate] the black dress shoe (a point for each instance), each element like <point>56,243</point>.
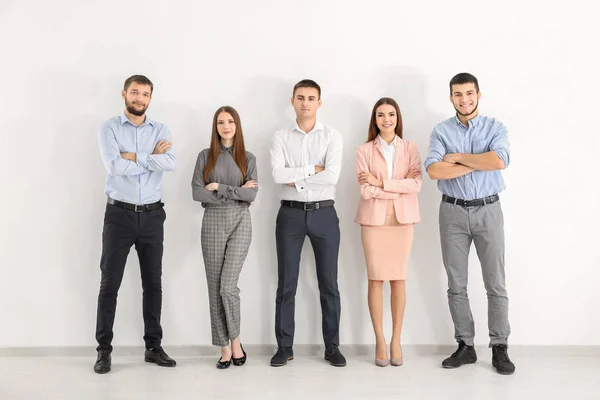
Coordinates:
<point>463,355</point>
<point>500,360</point>
<point>334,356</point>
<point>239,361</point>
<point>103,362</point>
<point>283,355</point>
<point>223,364</point>
<point>158,356</point>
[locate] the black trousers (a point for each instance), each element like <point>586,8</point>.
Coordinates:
<point>322,228</point>
<point>122,229</point>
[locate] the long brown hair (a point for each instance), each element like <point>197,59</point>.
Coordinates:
<point>373,129</point>
<point>239,150</point>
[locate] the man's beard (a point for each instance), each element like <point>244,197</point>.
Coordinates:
<point>135,111</point>
<point>469,114</point>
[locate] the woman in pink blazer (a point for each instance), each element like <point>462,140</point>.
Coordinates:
<point>389,174</point>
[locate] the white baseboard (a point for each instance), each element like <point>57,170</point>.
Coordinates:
<point>300,350</point>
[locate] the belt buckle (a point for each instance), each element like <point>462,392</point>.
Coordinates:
<point>140,209</point>
<point>310,206</point>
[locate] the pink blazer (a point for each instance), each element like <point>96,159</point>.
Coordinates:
<point>373,200</point>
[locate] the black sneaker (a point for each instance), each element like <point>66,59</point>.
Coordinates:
<point>500,360</point>
<point>103,362</point>
<point>334,356</point>
<point>463,355</point>
<point>158,356</point>
<point>283,355</point>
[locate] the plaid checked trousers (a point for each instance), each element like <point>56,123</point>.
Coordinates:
<point>226,235</point>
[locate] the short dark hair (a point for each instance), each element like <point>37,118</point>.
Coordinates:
<point>307,83</point>
<point>462,78</point>
<point>141,79</point>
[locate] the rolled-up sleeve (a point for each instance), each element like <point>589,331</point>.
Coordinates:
<point>501,145</point>
<point>437,149</point>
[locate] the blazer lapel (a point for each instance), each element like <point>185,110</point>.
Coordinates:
<point>399,154</point>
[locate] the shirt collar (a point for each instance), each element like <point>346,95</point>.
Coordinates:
<point>318,127</point>
<point>224,149</point>
<point>146,121</point>
<point>472,122</point>
<point>383,143</point>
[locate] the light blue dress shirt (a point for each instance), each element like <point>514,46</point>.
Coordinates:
<point>137,182</point>
<point>483,134</point>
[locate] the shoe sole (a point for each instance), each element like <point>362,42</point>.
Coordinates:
<point>458,366</point>
<point>285,363</point>
<point>335,365</point>
<point>102,372</point>
<point>148,360</point>
<point>502,372</point>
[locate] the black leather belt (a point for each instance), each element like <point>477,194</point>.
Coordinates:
<point>471,203</point>
<point>135,207</point>
<point>315,205</point>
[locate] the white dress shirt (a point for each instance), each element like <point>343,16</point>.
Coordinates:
<point>389,152</point>
<point>294,155</point>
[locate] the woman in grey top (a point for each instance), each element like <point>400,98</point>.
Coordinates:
<point>225,183</point>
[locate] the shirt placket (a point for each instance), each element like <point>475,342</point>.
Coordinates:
<point>137,151</point>
<point>470,185</point>
<point>304,160</point>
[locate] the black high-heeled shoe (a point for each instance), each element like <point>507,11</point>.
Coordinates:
<point>224,364</point>
<point>239,361</point>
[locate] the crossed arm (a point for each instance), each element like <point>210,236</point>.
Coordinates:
<point>309,176</point>
<point>216,193</point>
<point>442,166</point>
<point>372,187</point>
<point>117,163</point>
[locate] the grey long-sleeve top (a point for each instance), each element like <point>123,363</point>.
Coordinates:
<point>227,174</point>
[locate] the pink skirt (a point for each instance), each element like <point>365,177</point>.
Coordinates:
<point>387,247</point>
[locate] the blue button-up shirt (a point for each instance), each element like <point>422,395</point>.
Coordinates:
<point>483,134</point>
<point>137,182</point>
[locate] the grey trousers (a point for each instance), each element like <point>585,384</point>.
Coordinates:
<point>483,225</point>
<point>226,235</point>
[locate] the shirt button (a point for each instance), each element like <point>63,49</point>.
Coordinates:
<point>302,187</point>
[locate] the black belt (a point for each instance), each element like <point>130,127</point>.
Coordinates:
<point>314,205</point>
<point>135,207</point>
<point>471,203</point>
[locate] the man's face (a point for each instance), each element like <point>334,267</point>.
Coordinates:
<point>306,102</point>
<point>465,98</point>
<point>137,98</point>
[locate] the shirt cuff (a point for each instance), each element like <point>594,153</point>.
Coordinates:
<point>309,171</point>
<point>430,161</point>
<point>142,159</point>
<point>301,185</point>
<point>222,190</point>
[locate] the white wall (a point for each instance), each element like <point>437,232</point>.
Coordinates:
<point>63,64</point>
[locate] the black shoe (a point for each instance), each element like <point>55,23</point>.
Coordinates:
<point>223,364</point>
<point>239,361</point>
<point>103,362</point>
<point>334,356</point>
<point>283,355</point>
<point>500,360</point>
<point>463,355</point>
<point>158,356</point>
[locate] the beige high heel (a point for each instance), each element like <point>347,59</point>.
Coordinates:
<point>396,362</point>
<point>381,363</point>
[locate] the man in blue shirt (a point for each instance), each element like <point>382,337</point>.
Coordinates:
<point>136,151</point>
<point>466,154</point>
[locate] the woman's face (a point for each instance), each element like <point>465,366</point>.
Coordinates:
<point>386,118</point>
<point>225,126</point>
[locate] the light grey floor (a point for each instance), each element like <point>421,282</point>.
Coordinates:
<point>542,373</point>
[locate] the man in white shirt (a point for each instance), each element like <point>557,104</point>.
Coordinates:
<point>306,159</point>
